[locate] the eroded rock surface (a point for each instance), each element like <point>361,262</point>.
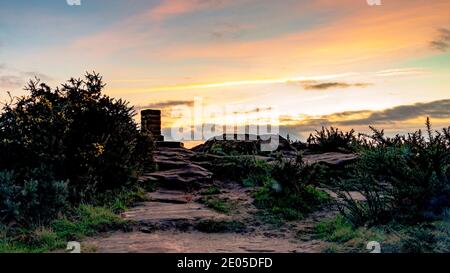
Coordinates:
<point>197,242</point>
<point>176,170</point>
<point>335,159</point>
<point>166,206</point>
<point>170,220</point>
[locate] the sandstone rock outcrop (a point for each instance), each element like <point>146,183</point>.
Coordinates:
<point>176,170</point>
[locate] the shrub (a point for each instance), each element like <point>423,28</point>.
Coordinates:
<point>333,140</point>
<point>337,229</point>
<point>345,237</point>
<point>212,190</point>
<point>247,170</point>
<point>37,198</point>
<point>78,223</point>
<point>86,221</point>
<point>418,240</point>
<point>80,136</point>
<point>291,190</point>
<point>405,178</point>
<point>218,204</point>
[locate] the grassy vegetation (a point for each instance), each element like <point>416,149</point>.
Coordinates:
<point>83,221</point>
<point>69,160</point>
<point>211,190</point>
<point>119,200</point>
<point>342,236</point>
<point>285,189</point>
<point>86,221</point>
<point>74,225</point>
<point>290,191</point>
<point>405,184</point>
<point>218,204</point>
<point>404,179</point>
<point>248,170</point>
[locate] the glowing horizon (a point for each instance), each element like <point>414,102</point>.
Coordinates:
<point>334,62</point>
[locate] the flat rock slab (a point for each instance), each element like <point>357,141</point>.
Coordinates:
<point>330,158</point>
<point>176,170</point>
<point>170,206</point>
<point>197,242</point>
<point>168,196</point>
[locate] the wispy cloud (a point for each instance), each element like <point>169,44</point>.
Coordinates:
<point>11,81</point>
<point>228,30</point>
<point>171,8</point>
<point>312,85</point>
<point>435,109</point>
<point>244,83</point>
<point>442,42</point>
<point>166,104</point>
<point>411,71</point>
<point>13,78</point>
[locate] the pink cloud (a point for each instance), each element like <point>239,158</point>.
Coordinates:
<point>170,8</point>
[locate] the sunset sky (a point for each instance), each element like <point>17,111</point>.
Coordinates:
<point>318,62</point>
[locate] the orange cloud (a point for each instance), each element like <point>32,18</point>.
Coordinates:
<point>170,8</point>
<point>374,35</point>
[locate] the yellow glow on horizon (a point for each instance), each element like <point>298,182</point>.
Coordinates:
<point>237,83</point>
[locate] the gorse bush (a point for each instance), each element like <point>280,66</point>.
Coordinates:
<point>286,188</point>
<point>248,170</point>
<point>333,140</point>
<point>86,142</point>
<point>291,191</point>
<point>403,179</point>
<point>32,200</point>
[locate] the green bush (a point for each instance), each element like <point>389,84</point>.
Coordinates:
<point>291,190</point>
<point>78,135</point>
<point>218,204</point>
<point>418,240</point>
<point>343,236</point>
<point>337,229</point>
<point>247,170</point>
<point>212,190</point>
<point>333,140</point>
<point>75,225</point>
<point>36,199</point>
<point>86,221</point>
<point>405,179</point>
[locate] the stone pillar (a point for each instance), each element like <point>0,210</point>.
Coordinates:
<point>151,123</point>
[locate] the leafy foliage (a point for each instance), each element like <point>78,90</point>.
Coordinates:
<point>37,198</point>
<point>405,178</point>
<point>85,221</point>
<point>332,140</point>
<point>291,191</point>
<point>80,222</point>
<point>249,170</point>
<point>86,142</point>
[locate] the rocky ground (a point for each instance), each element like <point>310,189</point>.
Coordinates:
<point>175,219</point>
